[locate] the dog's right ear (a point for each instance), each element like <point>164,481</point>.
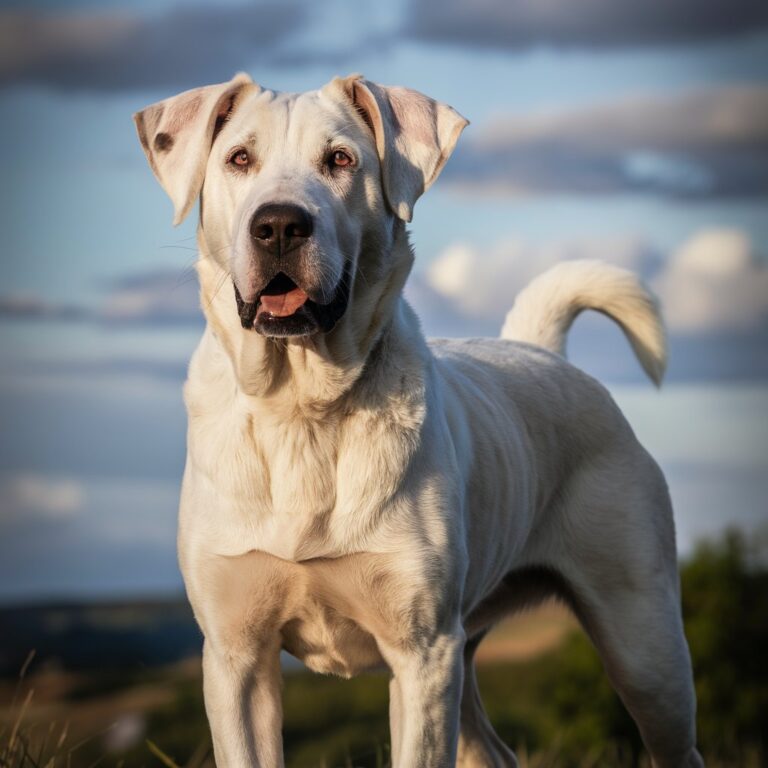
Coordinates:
<point>177,135</point>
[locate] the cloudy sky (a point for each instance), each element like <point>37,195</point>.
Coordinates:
<point>632,132</point>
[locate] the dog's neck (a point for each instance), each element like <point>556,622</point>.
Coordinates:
<point>318,373</point>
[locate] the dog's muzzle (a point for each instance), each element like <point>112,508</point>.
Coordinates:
<point>285,305</point>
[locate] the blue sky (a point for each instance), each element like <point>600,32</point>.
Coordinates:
<point>643,141</point>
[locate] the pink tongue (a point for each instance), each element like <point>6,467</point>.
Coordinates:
<point>282,304</point>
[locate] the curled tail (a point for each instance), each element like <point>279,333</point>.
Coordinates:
<point>544,310</point>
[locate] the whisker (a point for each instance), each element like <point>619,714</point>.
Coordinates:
<point>178,247</point>
<point>362,275</point>
<point>217,290</point>
<point>216,251</point>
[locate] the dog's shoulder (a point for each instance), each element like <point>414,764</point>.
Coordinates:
<point>541,386</point>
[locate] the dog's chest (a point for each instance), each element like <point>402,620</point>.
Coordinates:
<point>295,488</point>
<point>329,642</point>
<point>334,614</point>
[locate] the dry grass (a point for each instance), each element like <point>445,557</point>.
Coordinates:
<point>20,747</point>
<point>23,746</point>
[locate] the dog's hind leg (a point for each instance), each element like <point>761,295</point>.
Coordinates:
<point>619,563</point>
<point>479,746</point>
<point>641,643</point>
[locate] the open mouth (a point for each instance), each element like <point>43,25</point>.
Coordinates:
<point>283,309</point>
<point>281,298</point>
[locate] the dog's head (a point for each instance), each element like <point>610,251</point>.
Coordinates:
<point>296,189</point>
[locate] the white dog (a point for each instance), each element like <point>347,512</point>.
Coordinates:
<point>362,498</point>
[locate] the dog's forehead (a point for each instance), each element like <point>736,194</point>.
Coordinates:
<point>307,118</point>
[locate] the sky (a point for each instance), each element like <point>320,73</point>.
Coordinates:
<point>632,132</point>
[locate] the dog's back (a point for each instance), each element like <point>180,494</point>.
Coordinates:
<point>534,424</point>
<point>524,376</point>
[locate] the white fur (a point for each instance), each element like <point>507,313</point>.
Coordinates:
<point>363,498</point>
<point>545,310</point>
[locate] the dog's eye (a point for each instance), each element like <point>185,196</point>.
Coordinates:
<point>240,158</point>
<point>339,159</point>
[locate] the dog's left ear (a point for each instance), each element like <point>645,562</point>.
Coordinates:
<point>177,135</point>
<point>414,135</point>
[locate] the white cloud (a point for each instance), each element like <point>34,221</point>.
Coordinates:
<point>50,498</point>
<point>715,282</point>
<point>104,509</point>
<point>713,291</point>
<point>93,535</point>
<point>483,283</point>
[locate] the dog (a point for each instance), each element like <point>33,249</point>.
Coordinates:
<point>362,498</point>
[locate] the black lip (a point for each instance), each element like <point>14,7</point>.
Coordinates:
<point>306,320</point>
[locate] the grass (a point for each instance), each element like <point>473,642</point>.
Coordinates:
<point>22,746</point>
<point>542,685</point>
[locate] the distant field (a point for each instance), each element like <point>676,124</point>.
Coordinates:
<point>97,635</point>
<point>527,634</point>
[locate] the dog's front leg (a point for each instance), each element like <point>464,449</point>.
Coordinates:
<point>243,704</point>
<point>426,691</point>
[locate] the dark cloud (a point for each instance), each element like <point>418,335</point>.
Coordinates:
<point>512,24</point>
<point>707,344</point>
<point>693,144</point>
<point>115,50</point>
<point>109,48</point>
<point>32,307</point>
<point>156,298</point>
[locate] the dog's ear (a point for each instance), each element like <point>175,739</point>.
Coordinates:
<point>415,136</point>
<point>177,135</point>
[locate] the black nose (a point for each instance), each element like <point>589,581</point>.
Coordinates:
<point>280,226</point>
